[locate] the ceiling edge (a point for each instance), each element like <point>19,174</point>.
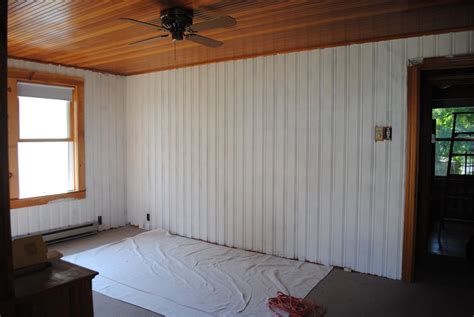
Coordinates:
<point>249,56</point>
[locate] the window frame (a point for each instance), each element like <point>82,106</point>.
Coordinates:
<point>77,134</point>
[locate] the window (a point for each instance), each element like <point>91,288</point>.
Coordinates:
<point>462,162</point>
<point>46,138</point>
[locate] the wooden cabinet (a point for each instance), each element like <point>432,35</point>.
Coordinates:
<point>64,289</point>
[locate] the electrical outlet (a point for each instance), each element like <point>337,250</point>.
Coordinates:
<point>147,217</point>
<point>387,133</point>
<point>99,220</point>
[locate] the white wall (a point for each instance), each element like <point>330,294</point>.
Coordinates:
<point>105,155</point>
<point>277,154</point>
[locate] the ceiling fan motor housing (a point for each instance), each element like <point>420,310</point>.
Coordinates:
<point>176,21</point>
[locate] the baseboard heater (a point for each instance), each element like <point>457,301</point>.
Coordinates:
<point>69,232</point>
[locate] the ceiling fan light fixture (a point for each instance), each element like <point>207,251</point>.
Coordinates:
<point>177,21</point>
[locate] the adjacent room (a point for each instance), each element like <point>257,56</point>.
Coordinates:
<point>237,158</point>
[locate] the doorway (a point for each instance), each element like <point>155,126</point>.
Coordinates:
<point>446,166</point>
<point>439,210</point>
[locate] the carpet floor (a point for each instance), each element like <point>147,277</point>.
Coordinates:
<point>444,287</point>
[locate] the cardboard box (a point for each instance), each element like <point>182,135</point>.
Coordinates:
<point>28,251</point>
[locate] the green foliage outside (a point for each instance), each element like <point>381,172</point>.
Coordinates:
<point>444,125</point>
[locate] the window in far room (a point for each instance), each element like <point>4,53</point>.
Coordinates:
<point>462,162</point>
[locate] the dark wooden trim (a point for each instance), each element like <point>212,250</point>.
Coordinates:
<point>409,229</point>
<point>6,275</point>
<point>412,157</point>
<point>454,102</point>
<point>447,62</point>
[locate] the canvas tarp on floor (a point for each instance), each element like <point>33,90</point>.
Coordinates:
<point>178,276</point>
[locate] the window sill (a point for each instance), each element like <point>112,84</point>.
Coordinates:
<point>43,200</point>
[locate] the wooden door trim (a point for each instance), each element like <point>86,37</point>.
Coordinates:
<point>409,230</point>
<point>413,130</point>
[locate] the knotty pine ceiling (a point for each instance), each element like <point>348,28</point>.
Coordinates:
<point>88,33</point>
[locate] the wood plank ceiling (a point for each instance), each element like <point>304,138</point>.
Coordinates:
<point>89,34</point>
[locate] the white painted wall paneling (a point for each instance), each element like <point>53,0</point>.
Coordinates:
<point>277,154</point>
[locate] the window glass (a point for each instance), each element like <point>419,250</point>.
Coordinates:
<point>44,118</point>
<point>45,168</point>
<point>462,161</point>
<point>465,122</point>
<point>441,158</point>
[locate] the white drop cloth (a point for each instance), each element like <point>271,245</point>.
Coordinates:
<point>177,276</point>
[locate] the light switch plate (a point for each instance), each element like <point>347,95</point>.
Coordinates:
<point>379,133</point>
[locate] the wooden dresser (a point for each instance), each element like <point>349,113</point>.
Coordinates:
<point>64,289</point>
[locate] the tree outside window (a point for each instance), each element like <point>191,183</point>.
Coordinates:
<point>461,164</point>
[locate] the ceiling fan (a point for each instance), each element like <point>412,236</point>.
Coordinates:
<point>179,23</point>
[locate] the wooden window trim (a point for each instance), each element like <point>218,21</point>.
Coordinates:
<point>412,150</point>
<point>77,134</point>
<point>43,200</point>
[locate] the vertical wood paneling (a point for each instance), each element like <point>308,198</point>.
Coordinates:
<point>257,150</point>
<point>366,168</point>
<point>229,92</point>
<point>220,154</point>
<point>188,150</point>
<point>268,154</point>
<point>314,134</point>
<point>277,153</point>
<point>338,154</point>
<point>248,150</point>
<point>211,152</point>
<point>397,82</point>
<point>180,159</point>
<point>105,156</point>
<point>353,153</point>
<point>203,152</point>
<point>326,158</point>
<point>279,131</point>
<point>301,138</point>
<point>381,176</point>
<point>289,220</point>
<point>239,163</point>
<point>151,92</point>
<point>173,109</point>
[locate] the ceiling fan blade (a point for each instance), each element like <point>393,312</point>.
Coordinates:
<point>203,40</point>
<point>155,26</point>
<point>151,39</point>
<point>220,22</point>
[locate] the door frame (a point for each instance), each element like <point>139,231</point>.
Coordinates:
<point>412,148</point>
<point>6,263</point>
